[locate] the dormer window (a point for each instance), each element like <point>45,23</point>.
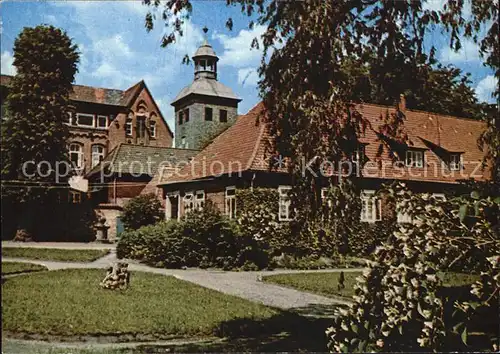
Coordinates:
<point>455,162</point>
<point>102,122</point>
<point>414,158</point>
<point>85,120</point>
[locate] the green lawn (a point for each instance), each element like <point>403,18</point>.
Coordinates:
<point>326,283</point>
<point>323,283</point>
<point>71,303</point>
<point>18,267</point>
<point>54,254</point>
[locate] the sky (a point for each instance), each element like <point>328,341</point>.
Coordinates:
<point>117,51</point>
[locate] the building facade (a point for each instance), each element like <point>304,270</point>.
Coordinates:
<point>440,152</point>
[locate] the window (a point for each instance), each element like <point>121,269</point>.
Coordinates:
<point>371,207</point>
<point>223,116</point>
<point>172,206</point>
<point>102,122</point>
<point>85,120</point>
<point>455,162</point>
<point>186,115</point>
<point>199,201</point>
<point>180,118</point>
<point>128,127</point>
<point>152,129</point>
<point>70,118</point>
<point>141,127</point>
<point>97,154</point>
<point>230,209</point>
<point>76,155</point>
<point>403,218</point>
<point>188,201</point>
<point>414,158</point>
<point>284,212</point>
<point>358,155</point>
<point>439,196</point>
<point>75,197</point>
<point>184,143</point>
<point>208,113</point>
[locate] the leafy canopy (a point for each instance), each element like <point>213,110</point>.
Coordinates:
<point>38,102</point>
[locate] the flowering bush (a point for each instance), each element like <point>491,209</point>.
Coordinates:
<point>400,303</point>
<point>204,238</point>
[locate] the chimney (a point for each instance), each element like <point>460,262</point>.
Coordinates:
<point>402,103</point>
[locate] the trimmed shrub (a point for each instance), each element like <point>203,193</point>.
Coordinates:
<point>141,211</point>
<point>204,238</point>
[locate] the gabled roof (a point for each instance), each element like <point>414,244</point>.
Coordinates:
<point>91,94</point>
<point>140,160</point>
<point>240,148</point>
<point>244,146</point>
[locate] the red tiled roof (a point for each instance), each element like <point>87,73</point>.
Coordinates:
<point>243,147</point>
<point>92,94</point>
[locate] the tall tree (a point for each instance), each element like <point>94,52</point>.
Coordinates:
<point>37,107</point>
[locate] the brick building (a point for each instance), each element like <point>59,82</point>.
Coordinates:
<point>440,151</point>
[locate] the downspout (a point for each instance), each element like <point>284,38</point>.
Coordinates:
<point>114,191</point>
<point>251,182</point>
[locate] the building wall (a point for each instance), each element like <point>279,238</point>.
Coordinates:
<point>198,130</point>
<point>116,131</point>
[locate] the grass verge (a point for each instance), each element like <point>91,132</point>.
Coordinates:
<point>9,268</point>
<point>53,254</point>
<point>326,283</point>
<point>70,303</point>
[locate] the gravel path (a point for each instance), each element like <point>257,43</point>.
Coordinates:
<point>246,285</point>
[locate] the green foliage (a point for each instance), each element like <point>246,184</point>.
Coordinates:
<point>365,237</point>
<point>400,304</point>
<point>204,238</point>
<point>38,101</point>
<point>141,211</point>
<point>257,215</point>
<point>37,107</point>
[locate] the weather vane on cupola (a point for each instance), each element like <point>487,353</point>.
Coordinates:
<point>205,30</point>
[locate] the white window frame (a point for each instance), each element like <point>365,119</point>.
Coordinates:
<point>188,202</point>
<point>106,120</point>
<point>129,126</point>
<point>97,156</point>
<point>455,162</point>
<point>403,217</point>
<point>75,197</point>
<point>78,115</point>
<point>230,202</point>
<point>70,119</point>
<point>80,157</point>
<point>368,198</point>
<point>284,206</point>
<point>152,129</point>
<point>199,199</point>
<point>440,196</point>
<point>414,158</point>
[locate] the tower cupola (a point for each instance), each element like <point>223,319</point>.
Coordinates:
<point>205,61</point>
